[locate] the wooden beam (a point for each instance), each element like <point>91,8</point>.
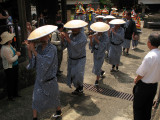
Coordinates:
<point>22,19</point>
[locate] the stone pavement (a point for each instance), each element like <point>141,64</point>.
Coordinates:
<point>92,105</point>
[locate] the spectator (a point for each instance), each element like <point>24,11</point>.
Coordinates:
<point>57,41</point>
<point>147,80</point>
<point>29,28</point>
<point>90,19</point>
<point>130,30</point>
<point>58,17</point>
<point>10,22</point>
<point>41,20</point>
<point>10,64</point>
<point>34,24</point>
<point>3,20</point>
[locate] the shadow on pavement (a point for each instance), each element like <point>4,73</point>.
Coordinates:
<point>101,84</point>
<point>107,60</point>
<point>133,56</point>
<point>138,50</point>
<point>122,77</point>
<point>157,29</point>
<point>82,105</point>
<point>141,43</point>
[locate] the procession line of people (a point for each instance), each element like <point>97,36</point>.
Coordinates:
<point>45,49</point>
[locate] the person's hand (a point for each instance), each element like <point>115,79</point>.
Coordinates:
<point>95,36</point>
<point>135,80</point>
<point>62,34</point>
<point>112,29</point>
<point>26,42</point>
<point>109,32</point>
<point>32,46</point>
<point>18,53</point>
<point>66,35</point>
<point>90,37</point>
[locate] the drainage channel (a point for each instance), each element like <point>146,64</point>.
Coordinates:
<point>106,91</point>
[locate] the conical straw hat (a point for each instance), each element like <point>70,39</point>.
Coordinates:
<point>109,17</point>
<point>75,24</point>
<point>117,22</point>
<point>100,27</point>
<point>100,16</point>
<point>114,8</point>
<point>41,32</point>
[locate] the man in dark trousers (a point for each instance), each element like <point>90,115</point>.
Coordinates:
<point>130,30</point>
<point>147,80</point>
<point>56,40</point>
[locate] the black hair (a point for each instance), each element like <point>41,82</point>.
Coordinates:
<point>6,43</point>
<point>154,39</point>
<point>129,14</point>
<point>60,25</point>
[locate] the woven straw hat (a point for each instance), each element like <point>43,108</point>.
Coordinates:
<point>75,24</point>
<point>109,17</point>
<point>100,27</point>
<point>99,16</point>
<point>34,22</point>
<point>117,22</point>
<point>114,8</point>
<point>41,32</point>
<point>6,36</point>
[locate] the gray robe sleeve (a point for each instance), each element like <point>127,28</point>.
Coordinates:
<point>102,46</point>
<point>44,62</point>
<point>76,46</point>
<point>120,34</point>
<point>32,63</point>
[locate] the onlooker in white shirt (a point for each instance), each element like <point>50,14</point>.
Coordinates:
<point>147,80</point>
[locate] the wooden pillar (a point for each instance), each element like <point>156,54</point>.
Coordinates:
<point>22,18</point>
<point>22,22</point>
<point>28,10</point>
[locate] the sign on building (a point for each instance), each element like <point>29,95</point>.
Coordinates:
<point>149,1</point>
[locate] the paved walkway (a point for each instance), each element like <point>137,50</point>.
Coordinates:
<point>92,105</point>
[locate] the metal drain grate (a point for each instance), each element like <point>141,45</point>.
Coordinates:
<point>108,92</point>
<point>105,91</point>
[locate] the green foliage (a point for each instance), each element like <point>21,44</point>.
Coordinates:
<point>106,2</point>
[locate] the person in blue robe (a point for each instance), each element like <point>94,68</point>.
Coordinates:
<point>46,92</point>
<point>98,43</point>
<point>116,36</point>
<point>76,46</point>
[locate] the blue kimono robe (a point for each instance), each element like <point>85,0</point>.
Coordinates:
<point>46,92</point>
<point>76,59</point>
<point>115,49</point>
<point>99,53</point>
<point>108,41</point>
